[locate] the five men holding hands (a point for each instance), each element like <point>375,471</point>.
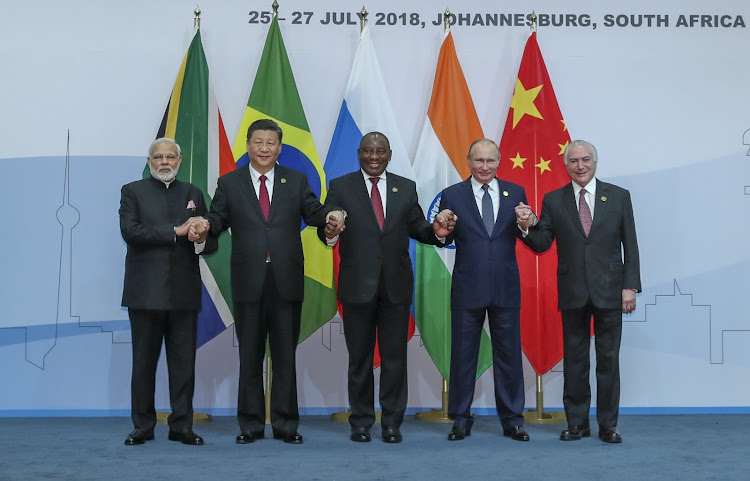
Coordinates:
<point>371,214</point>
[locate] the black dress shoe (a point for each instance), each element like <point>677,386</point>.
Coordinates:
<point>517,433</point>
<point>458,433</point>
<point>248,437</point>
<point>289,438</point>
<point>392,435</point>
<point>186,437</point>
<point>610,435</point>
<point>575,433</point>
<point>360,435</point>
<point>139,436</point>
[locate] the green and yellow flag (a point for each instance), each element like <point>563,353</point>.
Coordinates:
<point>274,96</point>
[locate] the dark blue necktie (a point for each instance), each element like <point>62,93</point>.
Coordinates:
<point>488,215</point>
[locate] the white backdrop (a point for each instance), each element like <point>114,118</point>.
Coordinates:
<point>666,105</point>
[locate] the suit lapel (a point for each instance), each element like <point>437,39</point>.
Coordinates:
<point>503,206</point>
<point>359,188</point>
<point>279,195</point>
<point>246,184</point>
<point>569,204</point>
<point>468,194</point>
<point>600,205</point>
<point>392,199</point>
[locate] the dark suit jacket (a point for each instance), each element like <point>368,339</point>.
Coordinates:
<point>362,245</point>
<point>161,270</point>
<point>486,271</point>
<point>590,266</point>
<point>235,204</point>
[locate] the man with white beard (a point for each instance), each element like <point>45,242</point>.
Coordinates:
<point>162,288</point>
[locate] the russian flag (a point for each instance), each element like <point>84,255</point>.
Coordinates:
<point>366,108</point>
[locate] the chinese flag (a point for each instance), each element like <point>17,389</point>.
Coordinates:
<point>531,153</point>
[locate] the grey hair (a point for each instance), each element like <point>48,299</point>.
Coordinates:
<point>580,143</point>
<point>484,141</point>
<point>162,140</point>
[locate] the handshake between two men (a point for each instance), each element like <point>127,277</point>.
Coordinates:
<point>443,224</point>
<point>196,228</point>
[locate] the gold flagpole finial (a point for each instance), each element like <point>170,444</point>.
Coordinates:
<point>446,20</point>
<point>362,18</point>
<point>533,21</point>
<point>197,19</point>
<point>275,7</point>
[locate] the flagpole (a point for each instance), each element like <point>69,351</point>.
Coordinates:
<point>538,416</point>
<point>269,364</point>
<point>198,418</point>
<point>439,415</point>
<point>343,416</point>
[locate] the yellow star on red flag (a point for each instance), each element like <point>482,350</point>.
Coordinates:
<point>543,165</point>
<point>523,102</point>
<point>518,160</point>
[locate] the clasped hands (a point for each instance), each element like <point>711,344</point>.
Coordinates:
<point>195,228</point>
<point>525,217</point>
<point>444,223</point>
<point>335,223</point>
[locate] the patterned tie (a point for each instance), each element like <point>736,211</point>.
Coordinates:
<point>377,202</point>
<point>265,201</point>
<point>488,215</point>
<point>584,212</point>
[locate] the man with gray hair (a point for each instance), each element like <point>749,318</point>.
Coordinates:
<point>598,275</point>
<point>162,288</point>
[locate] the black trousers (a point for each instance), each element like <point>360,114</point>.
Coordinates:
<point>278,321</point>
<point>178,329</point>
<point>390,322</point>
<point>576,364</point>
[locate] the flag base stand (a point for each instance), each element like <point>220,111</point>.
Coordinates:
<point>198,418</point>
<point>538,416</point>
<point>343,416</point>
<point>437,415</point>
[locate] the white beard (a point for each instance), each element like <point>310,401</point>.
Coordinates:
<point>163,176</point>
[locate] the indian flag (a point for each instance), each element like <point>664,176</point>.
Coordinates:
<point>274,96</point>
<point>193,120</point>
<point>450,128</point>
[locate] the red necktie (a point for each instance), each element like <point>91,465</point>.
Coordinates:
<point>584,212</point>
<point>265,201</point>
<point>377,202</point>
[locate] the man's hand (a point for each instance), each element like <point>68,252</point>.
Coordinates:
<point>444,223</point>
<point>628,301</point>
<point>198,230</point>
<point>525,217</point>
<point>182,230</point>
<point>334,223</point>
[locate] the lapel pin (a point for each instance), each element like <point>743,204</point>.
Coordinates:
<point>505,193</point>
<point>283,180</point>
<point>604,198</point>
<point>395,189</point>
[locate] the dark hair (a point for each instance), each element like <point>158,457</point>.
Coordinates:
<point>264,124</point>
<point>374,134</point>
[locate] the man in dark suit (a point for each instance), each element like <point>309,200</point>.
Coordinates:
<point>162,289</point>
<point>376,282</point>
<point>264,204</point>
<point>598,275</point>
<point>485,282</point>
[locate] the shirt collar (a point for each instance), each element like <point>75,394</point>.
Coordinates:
<point>590,187</point>
<point>366,176</point>
<point>476,186</point>
<point>255,175</point>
